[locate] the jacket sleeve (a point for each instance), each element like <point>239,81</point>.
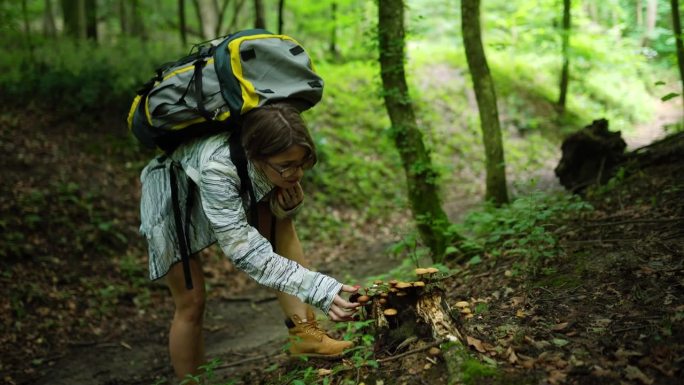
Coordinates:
<point>249,251</point>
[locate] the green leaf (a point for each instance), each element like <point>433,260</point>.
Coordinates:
<point>659,83</point>
<point>475,260</point>
<point>560,342</point>
<point>669,96</point>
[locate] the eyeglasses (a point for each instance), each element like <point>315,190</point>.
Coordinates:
<point>290,171</point>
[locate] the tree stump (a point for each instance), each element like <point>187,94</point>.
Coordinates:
<point>590,156</point>
<point>407,311</point>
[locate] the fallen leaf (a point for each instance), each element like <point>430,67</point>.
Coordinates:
<point>520,313</point>
<point>556,377</point>
<point>512,358</point>
<point>324,372</point>
<point>559,327</point>
<point>634,373</point>
<point>560,342</point>
<point>477,344</point>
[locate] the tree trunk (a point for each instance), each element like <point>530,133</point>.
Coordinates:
<point>281,16</point>
<point>677,29</point>
<point>421,177</point>
<point>333,31</point>
<point>233,22</point>
<point>74,18</point>
<point>259,18</point>
<point>49,25</point>
<point>137,24</point>
<point>486,101</point>
<point>91,19</point>
<point>639,15</point>
<point>124,22</point>
<point>27,30</point>
<point>651,18</point>
<point>181,20</point>
<point>566,56</point>
<point>207,11</point>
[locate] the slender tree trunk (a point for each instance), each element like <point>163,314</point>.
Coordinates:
<point>486,101</point>
<point>137,24</point>
<point>677,27</point>
<point>333,31</point>
<point>639,15</point>
<point>421,178</point>
<point>237,9</point>
<point>259,18</point>
<point>566,55</point>
<point>181,20</point>
<point>221,16</point>
<point>74,18</point>
<point>27,30</point>
<point>651,18</point>
<point>124,21</point>
<point>49,25</point>
<point>207,11</point>
<point>281,9</point>
<point>91,19</point>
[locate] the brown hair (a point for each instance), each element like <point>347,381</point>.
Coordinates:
<point>272,129</point>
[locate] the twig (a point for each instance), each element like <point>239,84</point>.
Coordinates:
<point>246,360</point>
<point>632,221</point>
<point>604,240</point>
<point>413,351</point>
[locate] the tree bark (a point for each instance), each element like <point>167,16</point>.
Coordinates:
<point>27,30</point>
<point>49,25</point>
<point>333,31</point>
<point>259,18</point>
<point>181,20</point>
<point>677,29</point>
<point>651,18</point>
<point>74,18</point>
<point>639,15</point>
<point>486,101</point>
<point>281,16</point>
<point>207,11</point>
<point>421,177</point>
<point>91,19</point>
<point>566,56</point>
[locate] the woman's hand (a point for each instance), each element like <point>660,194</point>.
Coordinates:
<point>290,197</point>
<point>341,309</point>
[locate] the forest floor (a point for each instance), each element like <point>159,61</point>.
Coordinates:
<point>608,309</point>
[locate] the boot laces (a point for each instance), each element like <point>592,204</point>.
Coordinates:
<point>312,328</point>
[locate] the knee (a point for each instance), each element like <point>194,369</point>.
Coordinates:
<point>190,307</point>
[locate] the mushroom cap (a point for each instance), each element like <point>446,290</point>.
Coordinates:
<point>432,270</point>
<point>382,301</point>
<point>378,282</point>
<point>393,282</point>
<point>419,284</point>
<point>434,351</point>
<point>390,312</point>
<point>363,299</point>
<point>403,285</point>
<point>383,295</point>
<point>421,271</point>
<point>401,294</point>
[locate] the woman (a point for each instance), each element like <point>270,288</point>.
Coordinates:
<point>279,149</point>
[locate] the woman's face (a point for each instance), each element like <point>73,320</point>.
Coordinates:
<point>286,169</point>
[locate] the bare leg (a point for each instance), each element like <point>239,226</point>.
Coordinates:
<point>186,339</point>
<point>287,245</point>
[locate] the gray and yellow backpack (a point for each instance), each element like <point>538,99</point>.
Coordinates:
<point>209,89</point>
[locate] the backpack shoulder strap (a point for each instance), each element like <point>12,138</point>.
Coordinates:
<point>239,159</point>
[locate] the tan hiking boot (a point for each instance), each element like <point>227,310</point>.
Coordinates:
<point>308,339</point>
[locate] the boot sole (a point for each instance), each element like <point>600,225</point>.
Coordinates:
<point>323,356</point>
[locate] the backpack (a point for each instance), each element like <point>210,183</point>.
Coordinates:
<point>209,89</point>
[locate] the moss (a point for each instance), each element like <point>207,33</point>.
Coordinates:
<point>474,371</point>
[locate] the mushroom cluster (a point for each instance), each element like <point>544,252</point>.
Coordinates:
<point>382,298</point>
